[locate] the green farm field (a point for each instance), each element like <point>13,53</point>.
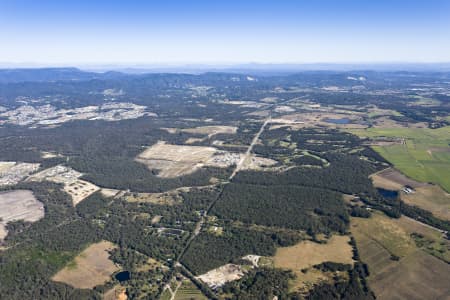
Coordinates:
<point>424,155</point>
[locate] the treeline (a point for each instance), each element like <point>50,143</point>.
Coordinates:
<point>209,251</point>
<point>105,152</point>
<point>395,207</point>
<point>314,210</point>
<point>260,283</point>
<point>38,250</point>
<point>346,173</point>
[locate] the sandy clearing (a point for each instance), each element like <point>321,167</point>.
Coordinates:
<point>221,275</point>
<point>78,189</point>
<point>18,205</point>
<point>211,130</point>
<point>177,160</point>
<point>109,192</point>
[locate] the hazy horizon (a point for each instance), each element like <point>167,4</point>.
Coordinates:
<point>76,33</point>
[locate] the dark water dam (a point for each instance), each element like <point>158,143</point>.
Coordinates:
<point>387,193</point>
<point>123,276</point>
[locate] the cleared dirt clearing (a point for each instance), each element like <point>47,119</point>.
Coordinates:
<point>211,130</point>
<point>220,276</point>
<point>78,189</point>
<point>92,267</point>
<point>175,160</point>
<point>12,173</point>
<point>18,205</point>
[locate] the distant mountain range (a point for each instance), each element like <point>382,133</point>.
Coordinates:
<point>10,75</point>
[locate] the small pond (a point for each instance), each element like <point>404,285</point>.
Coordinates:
<point>338,121</point>
<point>123,276</point>
<point>388,194</point>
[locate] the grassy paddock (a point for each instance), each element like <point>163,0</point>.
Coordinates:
<point>424,156</point>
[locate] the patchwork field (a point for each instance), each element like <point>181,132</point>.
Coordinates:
<point>424,155</point>
<point>306,254</point>
<point>18,205</point>
<point>92,267</point>
<point>391,179</point>
<point>188,291</point>
<point>431,198</point>
<point>399,269</point>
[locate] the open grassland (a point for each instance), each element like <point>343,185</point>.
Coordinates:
<point>424,154</point>
<point>384,232</point>
<point>431,198</point>
<point>306,254</point>
<point>426,238</point>
<point>399,269</point>
<point>92,267</point>
<point>417,276</point>
<point>18,205</point>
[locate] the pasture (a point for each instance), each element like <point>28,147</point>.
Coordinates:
<point>306,254</point>
<point>399,269</point>
<point>391,179</point>
<point>90,268</point>
<point>431,198</point>
<point>424,154</point>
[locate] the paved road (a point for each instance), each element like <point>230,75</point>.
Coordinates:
<point>248,153</point>
<point>240,164</point>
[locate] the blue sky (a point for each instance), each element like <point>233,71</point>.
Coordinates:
<point>176,31</point>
